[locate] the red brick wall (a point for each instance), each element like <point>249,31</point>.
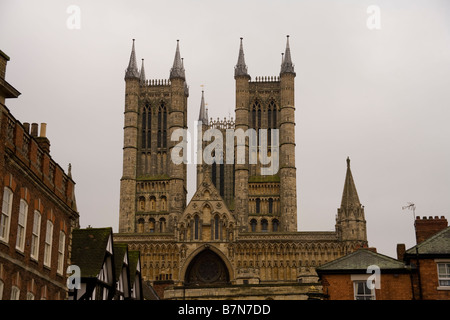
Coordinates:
<point>393,287</point>
<point>19,172</point>
<point>429,281</point>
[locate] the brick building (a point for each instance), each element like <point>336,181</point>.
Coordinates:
<point>431,258</point>
<point>346,278</point>
<point>419,273</point>
<point>38,208</point>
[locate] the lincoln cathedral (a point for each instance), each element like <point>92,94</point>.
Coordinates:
<point>237,238</point>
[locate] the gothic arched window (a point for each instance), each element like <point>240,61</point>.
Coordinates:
<point>275,225</point>
<point>216,227</point>
<point>270,205</point>
<point>163,203</point>
<point>264,225</point>
<point>146,127</point>
<point>162,225</point>
<point>258,205</point>
<point>151,225</point>
<point>253,225</point>
<point>196,227</point>
<point>141,225</point>
<point>162,126</point>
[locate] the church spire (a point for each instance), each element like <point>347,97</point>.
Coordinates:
<point>350,195</point>
<point>240,69</point>
<point>203,114</point>
<point>287,66</point>
<point>132,70</point>
<point>142,73</point>
<point>177,70</point>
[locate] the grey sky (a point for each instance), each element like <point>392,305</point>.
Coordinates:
<point>379,96</point>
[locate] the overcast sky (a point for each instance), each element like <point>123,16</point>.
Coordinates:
<point>381,97</point>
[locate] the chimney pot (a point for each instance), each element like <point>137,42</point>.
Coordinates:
<point>26,127</point>
<point>34,129</point>
<point>43,130</point>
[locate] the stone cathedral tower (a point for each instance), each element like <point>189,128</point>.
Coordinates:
<point>237,237</point>
<point>152,185</point>
<point>267,202</point>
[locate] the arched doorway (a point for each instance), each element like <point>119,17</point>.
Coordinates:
<point>207,268</point>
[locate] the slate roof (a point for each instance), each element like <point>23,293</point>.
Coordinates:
<point>359,261</point>
<point>89,248</point>
<point>438,244</point>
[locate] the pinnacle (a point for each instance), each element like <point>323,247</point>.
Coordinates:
<point>132,70</point>
<point>287,66</point>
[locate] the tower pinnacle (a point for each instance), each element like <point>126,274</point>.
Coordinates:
<point>177,70</point>
<point>142,73</point>
<point>132,70</point>
<point>203,114</point>
<point>240,69</point>
<point>287,66</point>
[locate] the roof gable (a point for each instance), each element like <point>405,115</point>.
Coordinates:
<point>436,244</point>
<point>207,195</point>
<point>89,247</point>
<point>360,260</point>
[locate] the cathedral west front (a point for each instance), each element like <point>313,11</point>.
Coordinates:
<point>237,238</point>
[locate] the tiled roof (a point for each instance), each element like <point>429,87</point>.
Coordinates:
<point>437,244</point>
<point>120,249</point>
<point>360,260</point>
<point>132,263</point>
<point>89,248</point>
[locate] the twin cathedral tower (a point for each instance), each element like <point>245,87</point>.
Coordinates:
<point>235,206</point>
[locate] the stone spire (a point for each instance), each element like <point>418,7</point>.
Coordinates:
<point>142,73</point>
<point>240,69</point>
<point>177,70</point>
<point>132,70</point>
<point>287,66</point>
<point>350,197</point>
<point>203,114</point>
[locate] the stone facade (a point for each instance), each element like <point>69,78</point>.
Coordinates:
<point>237,237</point>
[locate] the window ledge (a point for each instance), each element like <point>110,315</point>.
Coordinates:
<point>447,288</point>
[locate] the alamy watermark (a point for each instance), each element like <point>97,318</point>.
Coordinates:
<point>374,280</point>
<point>190,151</point>
<point>73,22</point>
<point>74,277</point>
<point>374,19</point>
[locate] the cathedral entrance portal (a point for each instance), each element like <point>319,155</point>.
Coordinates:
<point>207,268</point>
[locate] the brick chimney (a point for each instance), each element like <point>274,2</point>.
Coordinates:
<point>401,248</point>
<point>426,227</point>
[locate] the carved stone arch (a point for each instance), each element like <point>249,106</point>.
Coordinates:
<point>206,248</point>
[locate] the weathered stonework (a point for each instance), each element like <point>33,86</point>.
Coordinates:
<point>237,238</point>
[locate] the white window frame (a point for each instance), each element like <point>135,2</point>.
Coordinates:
<point>15,293</point>
<point>61,249</point>
<point>48,244</point>
<point>365,295</point>
<point>5,218</point>
<point>22,225</point>
<point>30,296</point>
<point>363,279</point>
<point>35,236</point>
<point>445,276</point>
